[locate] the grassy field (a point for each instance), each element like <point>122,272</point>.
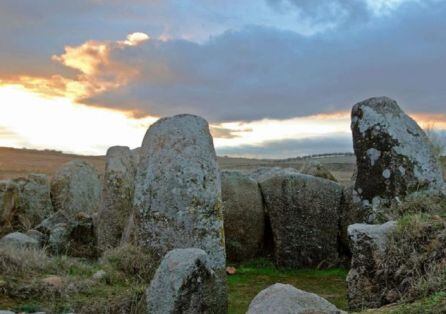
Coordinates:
<point>252,278</point>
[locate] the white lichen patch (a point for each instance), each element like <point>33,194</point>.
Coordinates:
<point>373,155</point>
<point>386,173</point>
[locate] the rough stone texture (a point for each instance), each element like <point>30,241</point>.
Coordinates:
<point>394,156</point>
<point>264,173</point>
<point>286,299</point>
<point>73,236</point>
<point>304,215</point>
<point>244,217</point>
<point>19,240</point>
<point>177,192</point>
<point>184,283</point>
<point>316,169</point>
<point>350,214</point>
<point>24,202</point>
<point>117,196</point>
<point>368,243</point>
<point>76,188</point>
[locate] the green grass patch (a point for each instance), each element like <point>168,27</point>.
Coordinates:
<point>251,278</point>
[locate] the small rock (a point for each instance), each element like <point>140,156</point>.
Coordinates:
<point>286,299</point>
<point>231,270</point>
<point>6,312</point>
<point>20,240</point>
<point>53,281</point>
<point>316,169</point>
<point>99,275</point>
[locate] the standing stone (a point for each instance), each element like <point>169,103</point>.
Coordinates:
<point>304,215</point>
<point>177,192</point>
<point>368,242</point>
<point>76,188</point>
<point>117,196</point>
<point>184,283</point>
<point>394,156</point>
<point>244,217</point>
<point>24,202</point>
<point>286,299</point>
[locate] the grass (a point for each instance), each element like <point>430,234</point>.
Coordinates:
<point>253,277</point>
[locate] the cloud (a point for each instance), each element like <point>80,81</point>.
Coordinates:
<point>291,147</point>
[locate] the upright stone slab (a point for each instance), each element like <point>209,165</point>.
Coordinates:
<point>368,243</point>
<point>394,156</point>
<point>304,215</point>
<point>177,192</point>
<point>76,188</point>
<point>184,283</point>
<point>243,215</point>
<point>117,196</point>
<point>9,202</point>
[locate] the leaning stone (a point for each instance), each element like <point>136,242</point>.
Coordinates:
<point>184,283</point>
<point>117,196</point>
<point>19,240</point>
<point>286,299</point>
<point>394,156</point>
<point>304,215</point>
<point>244,217</point>
<point>177,192</point>
<point>368,243</point>
<point>76,188</point>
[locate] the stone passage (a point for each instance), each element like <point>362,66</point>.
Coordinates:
<point>304,215</point>
<point>177,192</point>
<point>184,283</point>
<point>394,155</point>
<point>243,215</point>
<point>117,196</point>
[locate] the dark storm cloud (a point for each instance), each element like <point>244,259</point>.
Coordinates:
<point>262,72</point>
<point>291,148</point>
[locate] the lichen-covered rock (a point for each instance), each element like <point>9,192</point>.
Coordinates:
<point>24,202</point>
<point>286,299</point>
<point>117,196</point>
<point>304,215</point>
<point>394,156</point>
<point>178,192</point>
<point>244,217</point>
<point>184,283</point>
<point>73,236</point>
<point>368,244</point>
<point>316,169</point>
<point>19,240</point>
<point>76,188</point>
<point>264,173</point>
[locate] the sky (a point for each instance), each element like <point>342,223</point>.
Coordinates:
<point>274,78</point>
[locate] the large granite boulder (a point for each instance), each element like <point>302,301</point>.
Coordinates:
<point>368,244</point>
<point>304,215</point>
<point>394,156</point>
<point>178,192</point>
<point>244,217</point>
<point>76,188</point>
<point>24,202</point>
<point>184,283</point>
<point>316,169</point>
<point>117,196</point>
<point>286,299</point>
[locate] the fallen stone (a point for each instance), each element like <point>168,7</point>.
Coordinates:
<point>184,283</point>
<point>286,299</point>
<point>19,240</point>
